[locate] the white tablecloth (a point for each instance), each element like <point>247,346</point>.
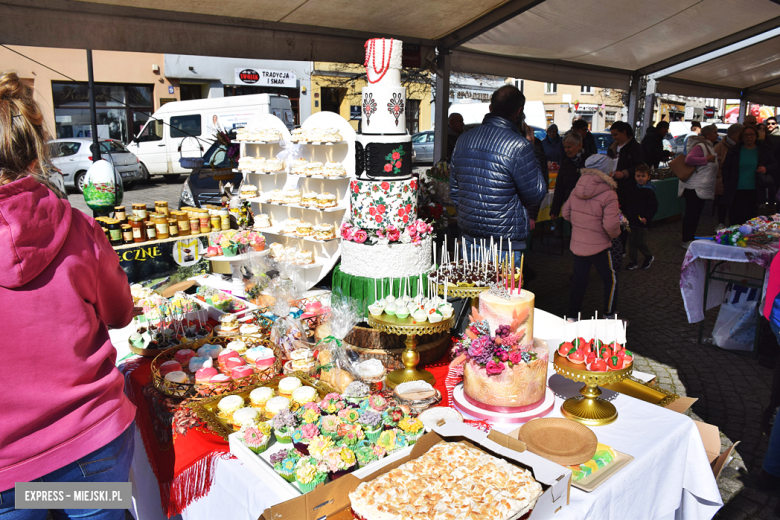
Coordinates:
<point>694,269</point>
<point>670,476</point>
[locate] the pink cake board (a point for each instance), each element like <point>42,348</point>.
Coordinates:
<point>483,414</point>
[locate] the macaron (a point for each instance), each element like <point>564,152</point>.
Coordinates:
<point>197,363</point>
<point>234,362</point>
<point>204,375</point>
<point>170,366</point>
<point>241,371</point>
<point>183,356</point>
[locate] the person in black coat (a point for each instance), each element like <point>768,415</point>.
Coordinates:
<point>588,141</point>
<point>628,153</point>
<point>641,209</point>
<point>533,211</point>
<point>653,145</point>
<point>742,170</point>
<point>568,173</point>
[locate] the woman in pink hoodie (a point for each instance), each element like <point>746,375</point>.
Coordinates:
<point>64,415</point>
<point>593,212</point>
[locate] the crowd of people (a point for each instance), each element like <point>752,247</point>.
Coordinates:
<point>499,177</point>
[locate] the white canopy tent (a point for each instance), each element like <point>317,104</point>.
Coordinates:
<point>609,43</point>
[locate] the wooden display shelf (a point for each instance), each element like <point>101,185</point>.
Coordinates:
<point>259,200</point>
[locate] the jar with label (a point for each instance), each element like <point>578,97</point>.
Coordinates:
<point>161,225</point>
<point>139,210</point>
<point>120,214</point>
<point>194,225</point>
<point>183,222</point>
<point>161,207</point>
<point>114,232</point>
<point>151,230</point>
<point>127,233</point>
<point>216,223</point>
<point>137,225</point>
<point>224,216</point>
<point>173,227</point>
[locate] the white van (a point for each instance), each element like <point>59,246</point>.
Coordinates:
<point>187,128</point>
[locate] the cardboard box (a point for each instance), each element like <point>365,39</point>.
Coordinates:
<point>332,500</point>
<point>710,436</point>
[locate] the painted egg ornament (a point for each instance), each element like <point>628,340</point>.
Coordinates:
<point>746,230</point>
<point>102,187</point>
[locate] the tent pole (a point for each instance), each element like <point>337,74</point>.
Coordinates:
<point>633,101</point>
<point>743,106</point>
<point>443,66</point>
<point>647,119</point>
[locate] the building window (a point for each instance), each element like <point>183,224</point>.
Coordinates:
<point>550,116</point>
<point>611,117</point>
<point>412,116</point>
<point>331,99</point>
<point>586,90</point>
<point>187,92</point>
<point>520,84</point>
<point>550,88</point>
<point>122,109</point>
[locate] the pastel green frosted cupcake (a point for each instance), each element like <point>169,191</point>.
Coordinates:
<point>329,426</point>
<point>308,474</point>
<point>371,422</point>
<point>412,428</point>
<point>255,440</point>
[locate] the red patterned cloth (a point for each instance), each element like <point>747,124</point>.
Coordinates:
<point>183,451</point>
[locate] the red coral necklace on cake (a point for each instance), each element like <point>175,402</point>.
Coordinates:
<point>371,55</point>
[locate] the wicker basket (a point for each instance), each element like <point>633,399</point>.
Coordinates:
<point>202,391</point>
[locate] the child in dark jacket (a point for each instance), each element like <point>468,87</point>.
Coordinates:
<point>641,209</point>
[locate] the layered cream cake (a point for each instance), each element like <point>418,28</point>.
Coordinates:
<point>452,481</point>
<point>517,312</point>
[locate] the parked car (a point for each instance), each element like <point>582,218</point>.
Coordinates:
<point>202,185</point>
<point>603,140</point>
<point>422,147</point>
<point>72,156</point>
<point>56,179</point>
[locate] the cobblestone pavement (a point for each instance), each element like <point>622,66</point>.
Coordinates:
<point>158,188</point>
<point>732,389</point>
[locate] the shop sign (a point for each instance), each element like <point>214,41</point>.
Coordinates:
<point>470,94</point>
<point>266,78</point>
<point>147,261</point>
<point>587,108</point>
<point>410,57</point>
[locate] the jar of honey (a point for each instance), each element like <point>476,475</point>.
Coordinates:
<point>161,225</point>
<point>161,207</point>
<point>224,217</point>
<point>137,225</point>
<point>120,214</point>
<point>127,233</point>
<point>183,222</point>
<point>151,230</point>
<point>139,210</point>
<point>173,227</point>
<point>194,224</point>
<point>114,232</point>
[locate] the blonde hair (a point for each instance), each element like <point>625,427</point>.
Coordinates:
<point>23,148</point>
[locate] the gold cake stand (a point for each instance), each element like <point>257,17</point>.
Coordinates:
<point>589,409</point>
<point>410,357</point>
<point>472,293</point>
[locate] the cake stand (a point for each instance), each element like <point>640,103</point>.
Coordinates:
<point>589,409</point>
<point>410,357</point>
<point>462,292</point>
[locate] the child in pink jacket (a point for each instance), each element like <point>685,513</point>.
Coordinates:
<point>593,212</point>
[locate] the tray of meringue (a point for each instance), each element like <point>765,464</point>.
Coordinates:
<point>455,472</point>
<point>316,135</point>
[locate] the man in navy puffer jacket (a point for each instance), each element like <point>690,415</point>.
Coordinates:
<point>495,175</point>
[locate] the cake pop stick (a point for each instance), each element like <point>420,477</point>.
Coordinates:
<point>520,285</point>
<point>595,326</point>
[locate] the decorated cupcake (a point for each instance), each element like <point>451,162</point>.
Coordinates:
<point>309,413</point>
<point>255,440</point>
<point>377,403</point>
<point>303,435</point>
<point>365,454</point>
<point>245,418</point>
<point>350,434</point>
<point>329,425</point>
<point>308,474</point>
<point>371,422</point>
<point>349,415</point>
<point>284,424</point>
<point>356,392</point>
<point>387,440</point>
<point>319,446</point>
<point>284,464</point>
<point>340,461</point>
<point>259,396</point>
<point>332,403</point>
<point>391,417</point>
<point>412,428</point>
<point>227,406</point>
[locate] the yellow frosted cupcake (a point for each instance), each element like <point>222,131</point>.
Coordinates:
<point>288,385</point>
<point>259,396</point>
<point>227,407</point>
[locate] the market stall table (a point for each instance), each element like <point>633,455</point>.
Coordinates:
<point>709,267</point>
<point>669,205</point>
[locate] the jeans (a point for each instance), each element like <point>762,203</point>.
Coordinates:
<point>693,207</point>
<point>579,283</point>
<point>111,463</point>
<point>637,240</point>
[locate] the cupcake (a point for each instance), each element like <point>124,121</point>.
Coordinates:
<point>387,441</point>
<point>276,405</point>
<point>285,467</point>
<point>255,440</point>
<point>302,436</point>
<point>332,403</point>
<point>329,425</point>
<point>309,413</point>
<point>412,428</point>
<point>245,418</point>
<point>288,385</point>
<point>365,454</point>
<point>371,422</point>
<point>284,424</point>
<point>240,372</point>
<point>319,446</point>
<point>356,392</point>
<point>377,403</point>
<point>350,434</point>
<point>232,363</point>
<point>228,405</point>
<point>401,441</point>
<point>308,474</point>
<point>259,396</point>
<point>340,461</point>
<point>349,415</point>
<point>391,416</point>
<point>303,395</point>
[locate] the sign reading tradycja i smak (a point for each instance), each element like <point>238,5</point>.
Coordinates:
<point>266,78</point>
